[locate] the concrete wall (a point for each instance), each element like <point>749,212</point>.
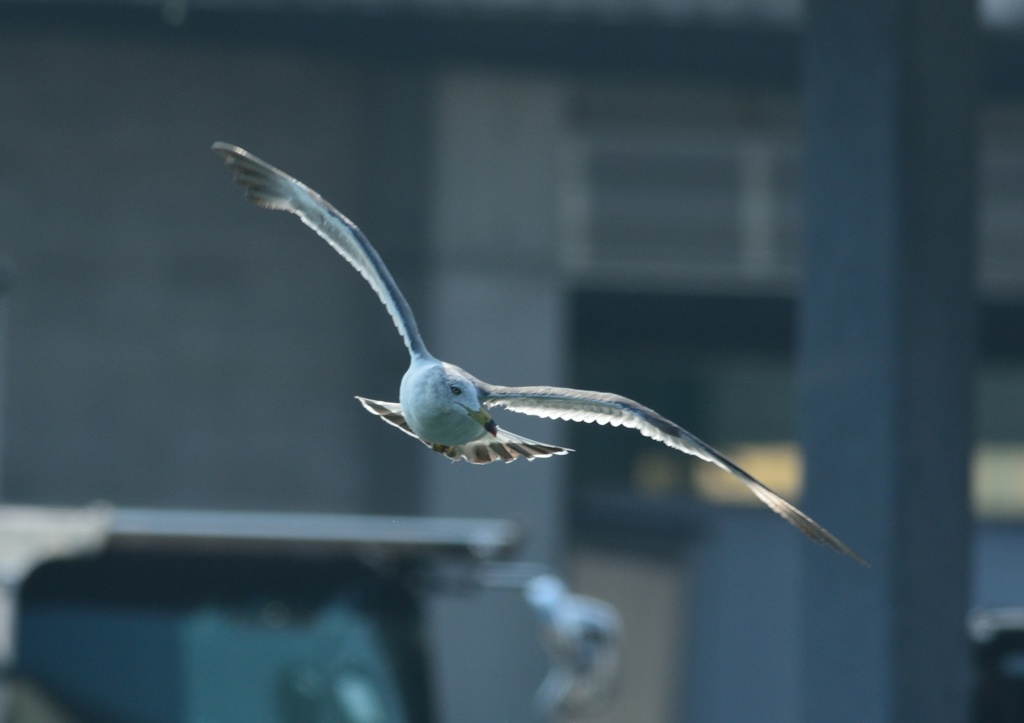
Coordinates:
<point>172,344</point>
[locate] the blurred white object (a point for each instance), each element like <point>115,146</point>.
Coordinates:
<point>583,636</point>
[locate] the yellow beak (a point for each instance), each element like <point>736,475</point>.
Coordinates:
<point>485,420</point>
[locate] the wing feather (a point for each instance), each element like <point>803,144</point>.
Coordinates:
<point>271,188</point>
<point>505,445</point>
<point>576,405</point>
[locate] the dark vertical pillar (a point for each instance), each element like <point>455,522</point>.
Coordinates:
<point>395,163</point>
<point>494,224</point>
<point>886,356</point>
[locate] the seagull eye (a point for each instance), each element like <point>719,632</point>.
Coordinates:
<point>455,390</point>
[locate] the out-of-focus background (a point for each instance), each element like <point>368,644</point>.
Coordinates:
<point>606,195</point>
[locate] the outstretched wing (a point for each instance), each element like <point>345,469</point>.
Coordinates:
<point>503,446</point>
<point>576,405</point>
<point>271,188</point>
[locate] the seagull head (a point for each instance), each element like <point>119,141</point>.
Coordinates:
<point>462,393</point>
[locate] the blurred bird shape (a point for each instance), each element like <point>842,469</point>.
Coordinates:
<point>583,637</point>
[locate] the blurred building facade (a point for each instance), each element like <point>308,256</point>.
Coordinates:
<point>605,196</point>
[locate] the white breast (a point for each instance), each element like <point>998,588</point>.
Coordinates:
<point>429,408</point>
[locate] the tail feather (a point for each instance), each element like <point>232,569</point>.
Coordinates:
<point>505,445</point>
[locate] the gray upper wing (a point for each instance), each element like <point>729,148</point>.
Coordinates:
<point>271,188</point>
<point>576,405</point>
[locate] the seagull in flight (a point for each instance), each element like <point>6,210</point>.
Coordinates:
<point>446,407</point>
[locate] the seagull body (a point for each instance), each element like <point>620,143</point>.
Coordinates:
<point>425,395</point>
<point>444,406</point>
